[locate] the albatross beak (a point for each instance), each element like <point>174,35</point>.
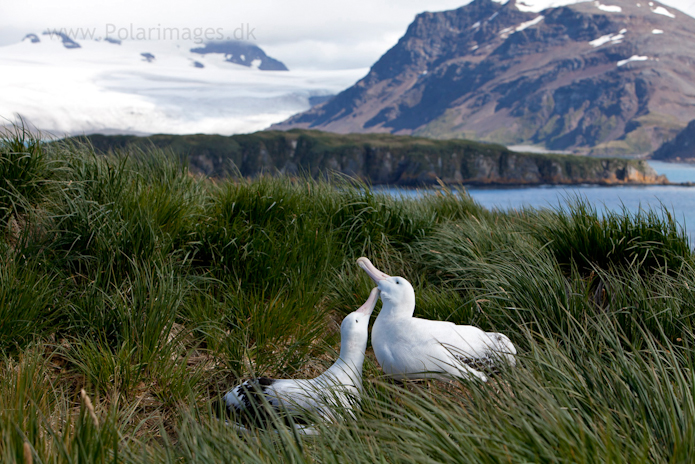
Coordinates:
<point>371,271</point>
<point>369,305</point>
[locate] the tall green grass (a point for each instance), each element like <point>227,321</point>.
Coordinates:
<point>25,175</point>
<point>156,291</point>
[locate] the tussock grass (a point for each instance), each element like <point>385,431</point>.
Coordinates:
<point>578,235</point>
<point>155,291</point>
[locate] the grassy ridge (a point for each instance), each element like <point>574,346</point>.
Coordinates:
<point>155,290</point>
<point>378,158</point>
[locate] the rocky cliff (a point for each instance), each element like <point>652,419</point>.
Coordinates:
<point>679,149</point>
<point>588,77</point>
<point>382,159</point>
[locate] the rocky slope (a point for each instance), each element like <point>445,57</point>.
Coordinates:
<point>680,149</point>
<point>243,53</point>
<point>586,77</point>
<point>383,159</point>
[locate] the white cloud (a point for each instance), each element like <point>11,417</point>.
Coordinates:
<point>302,33</point>
<point>106,87</point>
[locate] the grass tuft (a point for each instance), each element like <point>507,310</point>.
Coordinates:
<point>154,291</point>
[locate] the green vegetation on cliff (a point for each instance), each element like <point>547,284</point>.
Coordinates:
<point>380,159</point>
<point>154,291</point>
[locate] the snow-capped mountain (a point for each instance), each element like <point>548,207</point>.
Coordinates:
<point>242,53</point>
<point>70,86</point>
<point>599,76</point>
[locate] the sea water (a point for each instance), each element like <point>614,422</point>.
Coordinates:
<point>678,200</point>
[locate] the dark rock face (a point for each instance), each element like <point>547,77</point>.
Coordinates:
<point>32,37</point>
<point>383,159</point>
<point>112,40</point>
<point>149,57</point>
<point>241,53</point>
<point>572,78</point>
<point>67,41</point>
<point>318,99</point>
<point>681,148</point>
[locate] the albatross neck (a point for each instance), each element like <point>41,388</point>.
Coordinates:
<point>347,370</point>
<point>391,310</point>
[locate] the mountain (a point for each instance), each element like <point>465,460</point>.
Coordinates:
<point>381,159</point>
<point>242,53</point>
<point>233,51</point>
<point>616,78</point>
<point>65,83</point>
<point>681,148</point>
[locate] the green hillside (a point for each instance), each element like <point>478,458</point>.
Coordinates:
<point>379,159</point>
<point>132,294</point>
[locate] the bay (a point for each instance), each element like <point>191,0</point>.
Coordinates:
<point>678,200</point>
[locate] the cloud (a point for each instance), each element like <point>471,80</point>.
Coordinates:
<point>303,33</point>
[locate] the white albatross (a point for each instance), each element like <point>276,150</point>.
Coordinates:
<point>408,347</point>
<point>336,390</point>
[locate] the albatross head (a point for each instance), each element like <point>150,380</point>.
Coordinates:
<point>396,292</point>
<point>354,329</point>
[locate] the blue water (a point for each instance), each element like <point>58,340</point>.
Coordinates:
<point>680,201</point>
<point>674,171</point>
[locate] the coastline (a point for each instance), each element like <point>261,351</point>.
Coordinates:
<point>380,159</point>
<point>512,186</point>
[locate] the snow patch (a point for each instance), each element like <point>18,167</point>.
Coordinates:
<point>601,40</point>
<point>505,32</point>
<point>633,58</point>
<point>527,24</point>
<point>613,38</point>
<point>474,48</point>
<point>476,25</point>
<point>660,10</point>
<point>657,31</point>
<point>536,6</point>
<point>608,8</point>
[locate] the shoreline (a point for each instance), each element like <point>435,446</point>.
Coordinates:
<point>504,186</point>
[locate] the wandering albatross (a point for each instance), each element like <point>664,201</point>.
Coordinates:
<point>336,389</point>
<point>408,347</point>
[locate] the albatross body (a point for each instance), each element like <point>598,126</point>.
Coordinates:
<point>408,347</point>
<point>338,387</point>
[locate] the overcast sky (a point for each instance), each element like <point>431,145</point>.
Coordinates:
<point>321,34</point>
